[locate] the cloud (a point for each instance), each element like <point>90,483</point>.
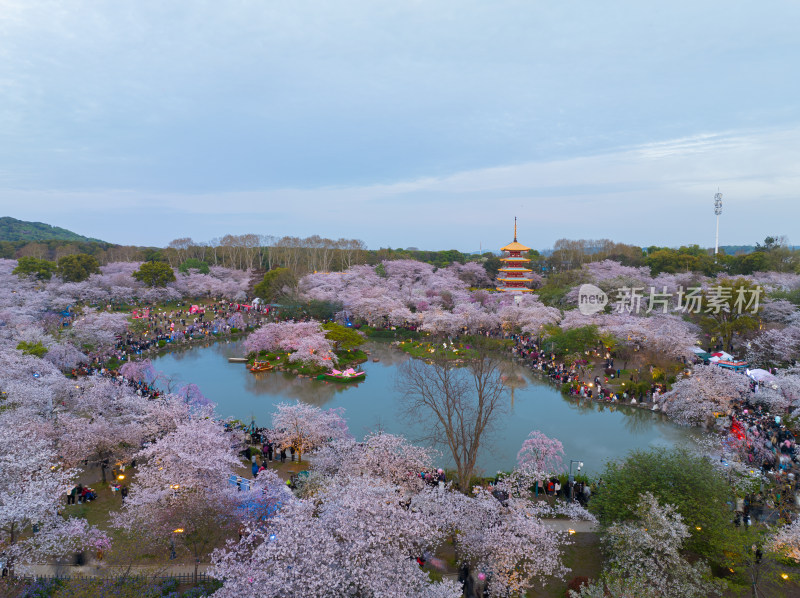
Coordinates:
<point>658,193</point>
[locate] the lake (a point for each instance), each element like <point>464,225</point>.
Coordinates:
<point>591,432</point>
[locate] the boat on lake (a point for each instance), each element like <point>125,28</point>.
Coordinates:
<point>260,366</point>
<point>349,375</point>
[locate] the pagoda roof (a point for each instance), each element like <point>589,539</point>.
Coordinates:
<point>514,289</point>
<point>515,246</point>
<point>520,279</point>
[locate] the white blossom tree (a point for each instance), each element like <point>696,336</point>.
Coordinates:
<point>508,542</point>
<point>710,389</point>
<point>33,488</point>
<point>305,427</point>
<point>181,484</point>
<point>354,538</point>
<point>645,554</point>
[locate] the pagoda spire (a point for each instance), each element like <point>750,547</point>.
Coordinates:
<point>515,229</point>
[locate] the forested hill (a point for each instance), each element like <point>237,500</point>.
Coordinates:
<point>12,229</point>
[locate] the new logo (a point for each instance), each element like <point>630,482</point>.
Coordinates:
<point>591,299</point>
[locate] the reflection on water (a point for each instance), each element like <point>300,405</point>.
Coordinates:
<point>591,432</point>
<point>314,392</point>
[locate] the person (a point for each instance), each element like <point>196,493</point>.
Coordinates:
<point>123,493</point>
<point>71,496</point>
<point>291,450</point>
<point>254,467</point>
<point>283,455</point>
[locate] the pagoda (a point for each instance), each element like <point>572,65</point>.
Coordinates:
<point>513,276</point>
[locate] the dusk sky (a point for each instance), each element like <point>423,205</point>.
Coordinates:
<point>409,123</point>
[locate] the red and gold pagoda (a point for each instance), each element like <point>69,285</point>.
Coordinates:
<point>513,276</point>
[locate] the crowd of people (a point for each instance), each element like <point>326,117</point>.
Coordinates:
<point>188,322</point>
<point>81,494</point>
<point>761,439</point>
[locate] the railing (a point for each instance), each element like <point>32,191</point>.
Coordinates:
<point>183,578</point>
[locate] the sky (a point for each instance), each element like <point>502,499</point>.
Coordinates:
<point>405,124</point>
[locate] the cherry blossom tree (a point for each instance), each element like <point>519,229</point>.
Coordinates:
<point>64,356</point>
<point>710,389</point>
<point>774,346</point>
<point>530,317</point>
<point>99,330</point>
<point>786,541</point>
<point>781,392</point>
<point>182,485</point>
<point>237,321</point>
<point>780,311</point>
<point>305,341</point>
<point>267,495</point>
<point>305,427</point>
<point>647,549</point>
<point>31,384</point>
<point>193,397</point>
<point>385,456</point>
<point>104,422</point>
<point>472,273</point>
<point>33,485</point>
<point>355,538</point>
<point>539,456</point>
<point>508,542</point>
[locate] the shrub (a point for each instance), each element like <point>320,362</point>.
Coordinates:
<point>36,349</point>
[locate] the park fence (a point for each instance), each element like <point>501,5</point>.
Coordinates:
<point>181,578</point>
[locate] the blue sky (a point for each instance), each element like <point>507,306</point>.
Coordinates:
<point>427,124</point>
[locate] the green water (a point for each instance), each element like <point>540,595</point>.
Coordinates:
<point>591,432</point>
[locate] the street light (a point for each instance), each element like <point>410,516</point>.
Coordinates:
<point>572,478</point>
<point>172,554</point>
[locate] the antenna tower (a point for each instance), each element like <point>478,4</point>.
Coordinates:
<point>717,211</point>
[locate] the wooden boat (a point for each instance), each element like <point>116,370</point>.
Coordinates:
<point>260,366</point>
<point>348,375</point>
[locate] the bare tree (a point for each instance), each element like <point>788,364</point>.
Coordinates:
<point>456,404</point>
<point>267,244</point>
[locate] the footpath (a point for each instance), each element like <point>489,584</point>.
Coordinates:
<point>185,571</point>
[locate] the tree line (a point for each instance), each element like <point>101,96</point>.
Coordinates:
<point>302,255</point>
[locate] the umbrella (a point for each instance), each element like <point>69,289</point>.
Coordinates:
<point>759,375</point>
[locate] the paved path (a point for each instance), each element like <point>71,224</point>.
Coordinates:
<point>565,525</point>
<point>100,570</point>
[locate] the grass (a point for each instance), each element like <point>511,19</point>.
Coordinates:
<point>584,559</point>
<point>388,333</point>
<point>427,350</point>
<point>346,359</point>
<point>454,351</point>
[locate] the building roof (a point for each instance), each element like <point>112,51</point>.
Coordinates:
<point>520,279</point>
<point>515,246</point>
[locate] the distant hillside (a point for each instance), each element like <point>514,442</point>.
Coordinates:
<point>12,229</point>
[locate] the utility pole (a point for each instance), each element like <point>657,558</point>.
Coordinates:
<point>717,211</point>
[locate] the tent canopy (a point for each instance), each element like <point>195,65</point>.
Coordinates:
<point>759,375</point>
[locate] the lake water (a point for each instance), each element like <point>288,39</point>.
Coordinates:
<point>591,432</point>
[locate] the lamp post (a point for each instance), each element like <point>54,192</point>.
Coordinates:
<point>172,554</point>
<point>572,478</point>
